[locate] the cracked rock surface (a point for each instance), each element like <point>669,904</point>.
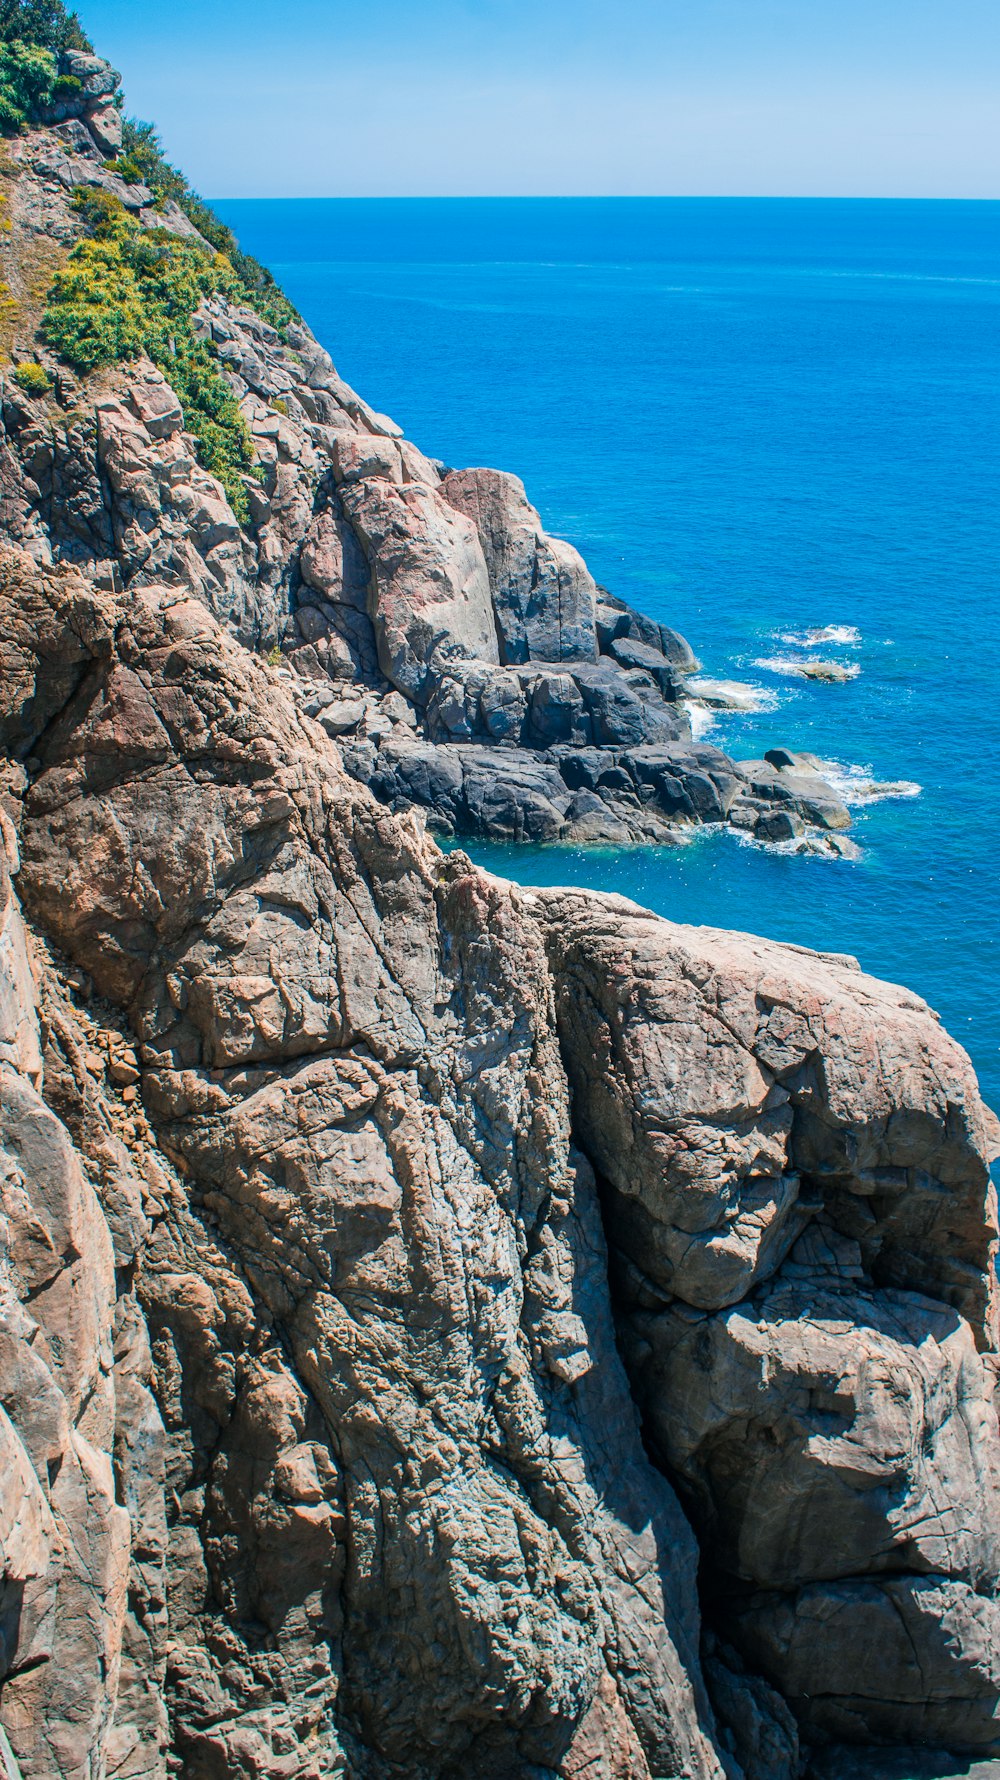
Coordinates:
<point>447,1331</point>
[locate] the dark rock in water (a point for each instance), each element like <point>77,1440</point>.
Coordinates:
<point>784,757</point>
<point>780,825</point>
<point>678,650</point>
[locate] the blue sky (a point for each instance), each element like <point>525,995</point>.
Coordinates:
<point>306,98</point>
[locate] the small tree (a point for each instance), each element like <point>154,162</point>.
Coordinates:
<point>27,77</point>
<point>45,22</point>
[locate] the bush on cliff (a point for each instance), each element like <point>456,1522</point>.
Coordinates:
<point>33,379</point>
<point>125,290</point>
<point>32,34</point>
<point>45,23</point>
<point>28,75</point>
<point>142,159</point>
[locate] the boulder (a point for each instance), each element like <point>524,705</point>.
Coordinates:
<point>717,1137</point>
<point>543,595</point>
<point>631,654</point>
<point>678,651</point>
<point>104,121</point>
<point>430,593</point>
<point>779,825</point>
<point>556,709</point>
<point>332,562</point>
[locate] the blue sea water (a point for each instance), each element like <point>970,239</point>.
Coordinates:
<point>754,418</point>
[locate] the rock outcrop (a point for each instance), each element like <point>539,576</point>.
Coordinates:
<point>435,590</point>
<point>445,1329</point>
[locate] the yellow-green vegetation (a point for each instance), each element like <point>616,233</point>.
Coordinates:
<point>34,379</point>
<point>126,290</point>
<point>143,162</point>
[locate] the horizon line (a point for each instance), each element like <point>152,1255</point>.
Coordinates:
<point>595,198</point>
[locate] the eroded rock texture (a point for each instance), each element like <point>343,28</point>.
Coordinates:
<point>793,1167</point>
<point>409,1511</point>
<point>414,1289</point>
<point>467,661</point>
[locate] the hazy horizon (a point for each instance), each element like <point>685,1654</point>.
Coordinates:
<point>503,98</point>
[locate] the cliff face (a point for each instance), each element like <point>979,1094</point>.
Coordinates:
<point>415,1288</point>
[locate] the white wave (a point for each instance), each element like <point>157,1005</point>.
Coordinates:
<point>846,636</point>
<point>731,695</point>
<point>796,669</point>
<point>857,785</point>
<point>701,719</point>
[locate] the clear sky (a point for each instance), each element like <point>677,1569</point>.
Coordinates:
<point>894,98</point>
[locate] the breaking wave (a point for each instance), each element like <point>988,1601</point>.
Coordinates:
<point>857,785</point>
<point>846,636</point>
<point>797,669</point>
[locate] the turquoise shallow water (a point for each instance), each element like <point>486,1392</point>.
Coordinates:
<point>753,417</point>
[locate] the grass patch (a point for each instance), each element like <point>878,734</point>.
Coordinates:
<point>126,290</point>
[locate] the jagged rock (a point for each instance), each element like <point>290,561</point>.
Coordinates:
<point>632,654</point>
<point>284,1054</point>
<point>543,595</point>
<point>430,599</point>
<point>716,1135</point>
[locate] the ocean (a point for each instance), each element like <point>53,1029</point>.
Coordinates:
<point>756,419</point>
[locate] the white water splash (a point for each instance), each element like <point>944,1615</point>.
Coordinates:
<point>793,668</point>
<point>846,636</point>
<point>857,785</point>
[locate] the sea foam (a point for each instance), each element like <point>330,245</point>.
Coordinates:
<point>791,667</point>
<point>857,785</point>
<point>721,696</point>
<point>847,636</point>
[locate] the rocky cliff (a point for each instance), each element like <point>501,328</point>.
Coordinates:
<point>447,1330</point>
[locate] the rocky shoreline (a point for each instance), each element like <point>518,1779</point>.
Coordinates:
<point>448,1331</point>
<point>466,661</point>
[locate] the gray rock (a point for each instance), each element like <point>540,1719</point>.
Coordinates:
<point>632,654</point>
<point>430,596</point>
<point>780,825</point>
<point>556,709</point>
<point>543,595</point>
<point>398,1434</point>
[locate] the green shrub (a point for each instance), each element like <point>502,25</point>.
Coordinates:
<point>44,22</point>
<point>33,379</point>
<point>125,290</point>
<point>127,168</point>
<point>27,79</point>
<point>143,156</point>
